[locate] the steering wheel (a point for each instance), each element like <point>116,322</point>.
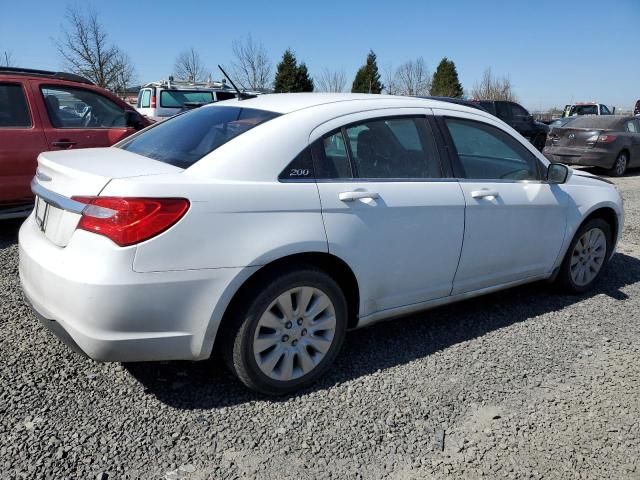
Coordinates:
<point>86,117</point>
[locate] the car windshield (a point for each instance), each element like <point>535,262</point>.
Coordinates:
<point>184,139</point>
<point>177,98</point>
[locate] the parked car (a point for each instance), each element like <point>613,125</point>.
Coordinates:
<point>42,110</point>
<point>586,108</point>
<point>610,142</point>
<point>264,228</point>
<point>160,100</point>
<point>517,117</point>
<point>636,110</point>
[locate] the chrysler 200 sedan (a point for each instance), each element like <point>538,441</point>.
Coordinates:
<point>265,228</point>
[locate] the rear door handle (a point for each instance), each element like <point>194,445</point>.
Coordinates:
<point>64,143</point>
<point>357,195</point>
<point>484,193</point>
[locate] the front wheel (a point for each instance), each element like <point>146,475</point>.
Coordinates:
<point>288,333</point>
<point>620,165</point>
<point>586,257</point>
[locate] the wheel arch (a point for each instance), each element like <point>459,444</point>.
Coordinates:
<point>609,215</point>
<point>334,266</point>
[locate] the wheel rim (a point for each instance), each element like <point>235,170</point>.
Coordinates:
<point>621,164</point>
<point>294,333</point>
<point>588,256</point>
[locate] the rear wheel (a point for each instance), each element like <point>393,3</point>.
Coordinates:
<point>288,333</point>
<point>620,165</point>
<point>586,257</point>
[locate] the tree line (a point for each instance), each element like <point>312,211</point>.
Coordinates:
<point>86,49</point>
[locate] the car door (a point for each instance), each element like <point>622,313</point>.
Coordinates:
<point>76,117</point>
<point>21,140</point>
<point>388,210</point>
<point>632,127</point>
<point>515,222</point>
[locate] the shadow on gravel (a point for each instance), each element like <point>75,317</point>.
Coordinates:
<point>9,231</point>
<point>205,385</point>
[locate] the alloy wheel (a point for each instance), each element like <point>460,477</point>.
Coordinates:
<point>588,256</point>
<point>621,164</point>
<point>294,333</point>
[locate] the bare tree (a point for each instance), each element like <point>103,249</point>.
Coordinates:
<point>189,66</point>
<point>251,65</point>
<point>86,51</point>
<point>6,59</point>
<point>413,78</point>
<point>331,81</point>
<point>390,80</point>
<point>492,88</point>
<point>125,75</point>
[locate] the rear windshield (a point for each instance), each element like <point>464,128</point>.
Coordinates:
<point>184,139</point>
<point>177,98</point>
<point>594,121</point>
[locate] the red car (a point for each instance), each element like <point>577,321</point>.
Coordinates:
<point>41,111</point>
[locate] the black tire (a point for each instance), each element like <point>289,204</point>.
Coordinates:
<point>620,166</point>
<point>539,141</point>
<point>564,281</point>
<point>238,334</point>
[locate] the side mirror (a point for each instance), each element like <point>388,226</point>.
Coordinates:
<point>133,119</point>
<point>557,173</point>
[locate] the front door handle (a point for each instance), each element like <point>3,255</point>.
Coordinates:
<point>484,193</point>
<point>357,195</point>
<point>64,143</point>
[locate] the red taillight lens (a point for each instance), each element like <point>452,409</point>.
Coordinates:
<point>606,138</point>
<point>128,221</point>
<point>153,101</point>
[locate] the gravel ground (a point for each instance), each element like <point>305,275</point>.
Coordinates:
<point>519,384</point>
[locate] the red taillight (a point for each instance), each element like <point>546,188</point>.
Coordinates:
<point>153,101</point>
<point>127,221</point>
<point>606,138</point>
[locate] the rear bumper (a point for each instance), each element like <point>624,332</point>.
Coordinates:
<point>581,157</point>
<point>88,294</point>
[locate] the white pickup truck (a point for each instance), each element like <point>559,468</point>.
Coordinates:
<point>586,108</point>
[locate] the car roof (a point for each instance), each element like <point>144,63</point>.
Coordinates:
<point>291,102</point>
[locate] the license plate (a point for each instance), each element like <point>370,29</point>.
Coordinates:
<point>42,209</point>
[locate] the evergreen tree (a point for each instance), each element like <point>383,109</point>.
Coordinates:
<point>304,83</point>
<point>368,78</point>
<point>291,77</point>
<point>445,81</point>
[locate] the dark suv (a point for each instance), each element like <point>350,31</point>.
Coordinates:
<point>519,119</point>
<point>40,111</point>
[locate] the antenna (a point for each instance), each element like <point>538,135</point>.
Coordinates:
<point>241,95</point>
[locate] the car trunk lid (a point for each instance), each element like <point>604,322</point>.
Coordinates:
<point>575,137</point>
<point>61,175</point>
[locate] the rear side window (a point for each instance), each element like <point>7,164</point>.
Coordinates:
<point>224,96</point>
<point>177,98</point>
<point>14,111</point>
<point>184,139</point>
<point>486,152</point>
<point>70,107</point>
<point>632,126</point>
<point>331,157</point>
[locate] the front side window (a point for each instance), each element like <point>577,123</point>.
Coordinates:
<point>14,112</point>
<point>70,107</point>
<point>604,110</point>
<point>145,98</point>
<point>518,112</point>
<point>486,152</point>
<point>178,98</point>
<point>184,139</point>
<point>632,126</point>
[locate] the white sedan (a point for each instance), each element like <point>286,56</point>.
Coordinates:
<point>267,227</point>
